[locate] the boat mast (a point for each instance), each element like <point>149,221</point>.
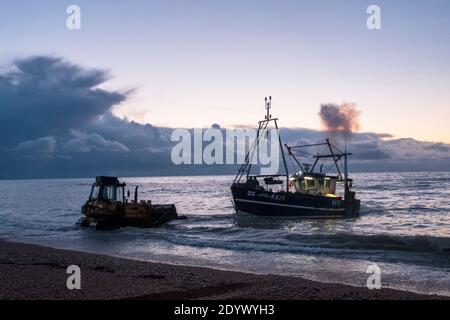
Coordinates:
<point>335,159</point>
<point>263,126</point>
<point>275,120</point>
<point>346,191</point>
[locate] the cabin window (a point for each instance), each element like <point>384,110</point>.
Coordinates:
<point>311,183</point>
<point>321,183</point>
<point>120,194</point>
<point>303,185</point>
<point>109,193</point>
<point>95,192</point>
<point>326,183</point>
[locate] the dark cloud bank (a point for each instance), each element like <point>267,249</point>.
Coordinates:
<point>55,121</point>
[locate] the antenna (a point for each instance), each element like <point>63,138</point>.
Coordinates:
<point>345,162</point>
<point>268,115</point>
<point>268,106</point>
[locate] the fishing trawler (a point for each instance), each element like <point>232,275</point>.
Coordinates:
<point>308,193</point>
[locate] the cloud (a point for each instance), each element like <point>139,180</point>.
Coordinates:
<point>82,142</point>
<point>372,155</point>
<point>373,152</point>
<point>439,147</point>
<point>45,96</point>
<point>132,134</point>
<point>49,96</point>
<point>56,112</point>
<point>44,145</point>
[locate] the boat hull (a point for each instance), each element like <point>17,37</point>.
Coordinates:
<point>287,204</point>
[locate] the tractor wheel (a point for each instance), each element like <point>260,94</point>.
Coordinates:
<point>85,223</point>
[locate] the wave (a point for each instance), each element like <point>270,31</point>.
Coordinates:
<point>418,243</point>
<point>279,240</point>
<point>261,229</point>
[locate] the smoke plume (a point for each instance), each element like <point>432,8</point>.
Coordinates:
<point>340,118</point>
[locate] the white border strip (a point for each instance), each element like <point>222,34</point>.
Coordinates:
<point>288,205</point>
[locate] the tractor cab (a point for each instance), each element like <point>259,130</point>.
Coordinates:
<point>108,189</point>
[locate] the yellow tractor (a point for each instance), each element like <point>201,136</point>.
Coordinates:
<point>109,209</point>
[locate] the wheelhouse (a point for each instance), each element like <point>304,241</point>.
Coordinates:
<point>313,184</point>
<point>108,189</point>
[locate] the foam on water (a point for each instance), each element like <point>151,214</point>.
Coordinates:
<point>404,228</point>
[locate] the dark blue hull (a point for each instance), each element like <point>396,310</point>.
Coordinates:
<point>285,204</point>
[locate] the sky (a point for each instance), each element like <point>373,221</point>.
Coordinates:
<point>195,63</point>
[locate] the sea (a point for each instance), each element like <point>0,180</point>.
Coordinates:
<point>404,229</point>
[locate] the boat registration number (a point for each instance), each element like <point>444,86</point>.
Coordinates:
<point>277,197</point>
<point>336,203</point>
